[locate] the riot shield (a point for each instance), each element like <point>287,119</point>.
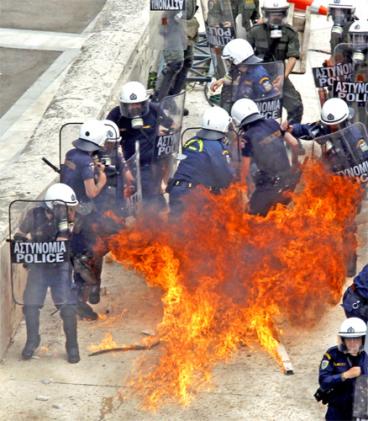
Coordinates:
<point>263,83</point>
<point>168,140</point>
<point>167,25</point>
<point>220,29</point>
<point>351,63</point>
<point>133,183</point>
<point>346,151</point>
<point>360,407</point>
<point>67,134</point>
<point>40,252</point>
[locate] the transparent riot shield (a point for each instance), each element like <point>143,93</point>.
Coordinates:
<point>67,134</point>
<point>360,407</point>
<point>263,83</point>
<point>351,84</point>
<point>220,29</point>
<point>346,151</point>
<point>167,28</point>
<point>39,235</point>
<point>167,145</point>
<point>133,184</point>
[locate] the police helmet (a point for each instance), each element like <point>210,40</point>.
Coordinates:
<point>60,193</point>
<point>275,11</point>
<point>133,100</point>
<point>215,123</point>
<point>334,111</point>
<point>245,111</point>
<point>112,131</point>
<point>358,36</point>
<point>342,4</point>
<point>239,51</point>
<point>92,136</point>
<point>353,327</point>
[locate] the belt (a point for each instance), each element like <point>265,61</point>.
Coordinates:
<point>190,185</point>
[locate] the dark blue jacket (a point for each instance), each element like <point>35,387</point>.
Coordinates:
<point>207,162</point>
<point>355,299</point>
<point>255,84</point>
<point>333,364</point>
<point>147,136</point>
<point>77,167</point>
<point>265,144</point>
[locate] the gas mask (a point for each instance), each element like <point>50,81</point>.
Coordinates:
<point>275,21</point>
<point>340,17</point>
<point>359,42</point>
<point>134,111</point>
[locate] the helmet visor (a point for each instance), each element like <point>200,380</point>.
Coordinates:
<point>134,110</point>
<point>275,17</point>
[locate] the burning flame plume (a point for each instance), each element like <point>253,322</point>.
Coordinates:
<point>226,275</point>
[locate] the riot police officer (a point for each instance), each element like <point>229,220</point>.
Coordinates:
<point>339,368</point>
<point>355,298</point>
<point>51,221</point>
<point>358,37</point>
<point>249,10</point>
<point>140,120</point>
<point>88,180</point>
<point>342,14</point>
<point>178,58</point>
<point>206,160</point>
<point>272,40</point>
<point>263,142</point>
<point>242,80</point>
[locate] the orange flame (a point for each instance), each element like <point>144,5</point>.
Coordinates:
<point>227,275</point>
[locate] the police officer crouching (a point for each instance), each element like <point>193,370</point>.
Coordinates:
<point>206,162</point>
<point>48,223</point>
<point>88,179</point>
<point>339,369</point>
<point>264,145</point>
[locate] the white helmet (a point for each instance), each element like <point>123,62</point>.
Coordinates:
<point>275,6</point>
<point>60,193</point>
<point>239,50</point>
<point>342,4</point>
<point>215,123</point>
<point>353,327</point>
<point>245,111</point>
<point>334,111</point>
<point>92,136</point>
<point>358,32</point>
<point>133,93</point>
<point>112,131</point>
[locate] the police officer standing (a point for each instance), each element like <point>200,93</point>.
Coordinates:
<point>263,141</point>
<point>139,120</point>
<point>342,13</point>
<point>273,40</point>
<point>340,366</point>
<point>206,160</point>
<point>50,222</point>
<point>178,58</point>
<point>249,10</point>
<point>87,178</point>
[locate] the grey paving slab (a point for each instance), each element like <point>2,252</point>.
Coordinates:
<point>20,69</point>
<point>51,15</point>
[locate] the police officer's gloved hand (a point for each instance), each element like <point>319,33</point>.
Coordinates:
<point>19,236</point>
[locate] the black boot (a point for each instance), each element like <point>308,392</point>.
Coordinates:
<point>69,316</point>
<point>85,311</point>
<point>32,318</point>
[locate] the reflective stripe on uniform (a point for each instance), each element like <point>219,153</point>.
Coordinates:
<point>191,145</point>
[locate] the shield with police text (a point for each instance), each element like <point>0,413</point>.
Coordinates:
<point>346,151</point>
<point>132,183</point>
<point>67,134</point>
<point>167,145</point>
<point>167,25</point>
<point>39,237</point>
<point>220,29</point>
<point>351,80</point>
<point>262,82</point>
<point>360,407</point>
